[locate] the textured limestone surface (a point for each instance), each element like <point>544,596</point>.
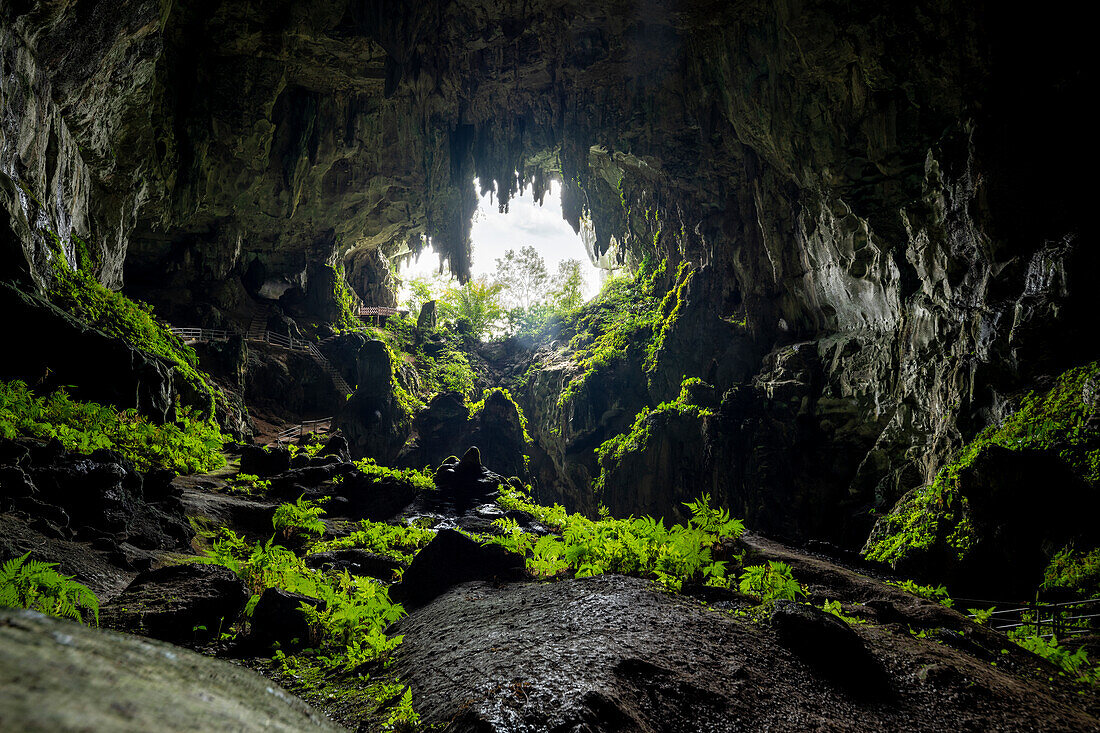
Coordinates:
<point>884,204</point>
<point>59,675</point>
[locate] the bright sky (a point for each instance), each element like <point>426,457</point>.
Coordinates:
<point>526,223</point>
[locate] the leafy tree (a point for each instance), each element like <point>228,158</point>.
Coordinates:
<point>477,303</point>
<point>568,286</point>
<point>424,288</point>
<point>523,277</point>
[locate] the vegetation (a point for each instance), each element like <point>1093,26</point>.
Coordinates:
<point>299,520</point>
<point>771,582</point>
<point>1074,664</point>
<point>349,631</point>
<point>439,357</point>
<point>477,407</point>
<point>189,445</point>
<point>417,480</point>
<point>78,292</point>
<point>937,515</point>
<point>26,583</point>
<point>613,451</point>
<point>474,307</point>
<point>642,547</point>
<point>347,317</point>
<point>932,593</point>
<point>617,323</point>
<point>1075,570</point>
<point>397,541</point>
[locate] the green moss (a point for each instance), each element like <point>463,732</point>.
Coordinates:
<point>617,323</point>
<point>612,452</point>
<point>937,515</point>
<point>116,315</point>
<point>189,445</point>
<point>347,318</point>
<point>672,307</point>
<point>477,407</point>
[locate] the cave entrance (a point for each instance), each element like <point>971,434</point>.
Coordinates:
<point>526,225</point>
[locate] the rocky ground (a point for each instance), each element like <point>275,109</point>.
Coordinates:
<point>487,649</point>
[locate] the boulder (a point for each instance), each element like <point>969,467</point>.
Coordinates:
<point>427,319</point>
<point>337,445</point>
<point>373,420</point>
<point>452,558</point>
<point>260,461</point>
<point>357,562</point>
<point>57,675</point>
<point>466,482</point>
<point>279,618</point>
<point>178,603</point>
<point>830,647</point>
<point>376,500</point>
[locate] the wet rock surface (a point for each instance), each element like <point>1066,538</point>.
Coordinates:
<point>92,497</point>
<point>612,653</point>
<point>178,603</point>
<point>452,558</point>
<point>58,675</point>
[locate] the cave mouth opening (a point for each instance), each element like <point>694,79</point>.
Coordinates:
<point>527,223</point>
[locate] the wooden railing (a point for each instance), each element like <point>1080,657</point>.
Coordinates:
<point>269,337</point>
<point>1035,618</point>
<point>324,425</point>
<point>200,334</point>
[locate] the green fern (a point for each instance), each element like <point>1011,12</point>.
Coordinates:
<point>26,583</point>
<point>302,518</point>
<point>771,582</point>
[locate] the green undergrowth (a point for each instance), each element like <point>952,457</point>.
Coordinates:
<point>189,445</point>
<point>343,663</point>
<point>1074,664</point>
<point>617,323</point>
<point>439,357</point>
<point>26,583</point>
<point>79,293</point>
<point>477,407</point>
<point>1074,570</point>
<point>348,632</point>
<point>937,515</point>
<point>300,520</point>
<point>936,593</point>
<point>418,480</point>
<point>613,451</point>
<point>399,542</point>
<point>643,547</point>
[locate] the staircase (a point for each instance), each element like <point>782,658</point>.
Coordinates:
<point>257,326</point>
<point>329,369</point>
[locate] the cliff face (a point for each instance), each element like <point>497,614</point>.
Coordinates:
<point>881,205</point>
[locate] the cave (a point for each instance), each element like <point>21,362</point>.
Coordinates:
<point>822,452</point>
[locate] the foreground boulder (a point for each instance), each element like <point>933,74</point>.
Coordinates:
<point>57,675</point>
<point>92,497</point>
<point>452,558</point>
<point>178,603</point>
<point>829,645</point>
<point>609,654</point>
<point>279,619</point>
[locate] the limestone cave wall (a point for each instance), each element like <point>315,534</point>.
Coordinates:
<point>884,204</point>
